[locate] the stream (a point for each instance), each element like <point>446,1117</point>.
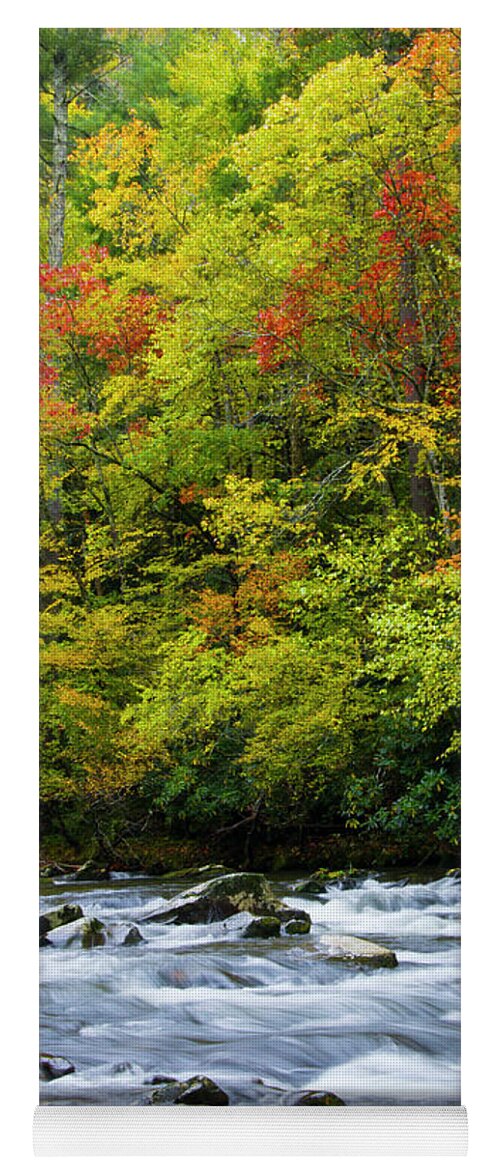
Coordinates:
<point>262,1018</point>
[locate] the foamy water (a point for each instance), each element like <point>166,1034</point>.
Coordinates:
<point>203,1000</point>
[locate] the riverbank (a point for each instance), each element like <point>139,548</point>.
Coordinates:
<point>160,854</point>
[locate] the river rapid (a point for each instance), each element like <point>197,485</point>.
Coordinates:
<point>263,1018</point>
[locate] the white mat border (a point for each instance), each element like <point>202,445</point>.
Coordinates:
<point>251,1131</point>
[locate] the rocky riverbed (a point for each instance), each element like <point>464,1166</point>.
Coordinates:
<point>236,990</point>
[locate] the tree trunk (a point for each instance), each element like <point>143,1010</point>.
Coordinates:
<point>59,161</point>
<point>421,491</point>
<point>296,455</point>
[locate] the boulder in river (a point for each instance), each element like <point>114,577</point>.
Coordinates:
<point>294,922</point>
<point>89,933</point>
<point>90,871</point>
<point>197,1091</point>
<point>204,873</point>
<point>298,926</point>
<point>132,937</point>
<point>363,951</point>
<point>318,1098</point>
<point>54,1067</point>
<point>218,899</point>
<point>202,1091</point>
<point>53,870</point>
<point>319,882</point>
<point>266,927</point>
<point>60,916</point>
<point>93,933</point>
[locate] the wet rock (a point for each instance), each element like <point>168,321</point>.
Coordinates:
<point>200,910</point>
<point>289,913</point>
<point>319,882</point>
<point>160,1079</point>
<point>93,934</point>
<point>318,1098</point>
<point>298,926</point>
<point>88,932</point>
<point>363,951</point>
<point>264,928</point>
<point>53,870</point>
<point>60,916</point>
<point>165,1095</point>
<point>218,899</point>
<point>54,1067</point>
<point>310,886</point>
<point>198,1091</point>
<point>90,871</point>
<point>132,937</point>
<point>204,873</point>
<point>202,1091</point>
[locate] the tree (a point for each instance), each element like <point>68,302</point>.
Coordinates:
<point>70,61</point>
<point>249,409</point>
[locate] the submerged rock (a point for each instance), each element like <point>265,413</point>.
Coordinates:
<point>363,951</point>
<point>318,1098</point>
<point>54,1067</point>
<point>218,899</point>
<point>265,928</point>
<point>59,917</point>
<point>198,1091</point>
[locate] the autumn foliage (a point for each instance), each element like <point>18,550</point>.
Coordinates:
<point>250,471</point>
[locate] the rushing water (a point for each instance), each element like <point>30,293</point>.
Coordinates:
<point>262,1018</point>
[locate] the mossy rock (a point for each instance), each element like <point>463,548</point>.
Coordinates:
<point>318,1098</point>
<point>68,913</point>
<point>310,887</point>
<point>201,1091</point>
<point>200,910</point>
<point>219,899</point>
<point>87,932</point>
<point>167,1091</point>
<point>93,934</point>
<point>246,891</point>
<point>204,873</point>
<point>92,871</point>
<point>298,926</point>
<point>319,882</point>
<point>197,1091</point>
<point>266,927</point>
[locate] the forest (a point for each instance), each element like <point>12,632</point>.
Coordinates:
<point>249,436</point>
